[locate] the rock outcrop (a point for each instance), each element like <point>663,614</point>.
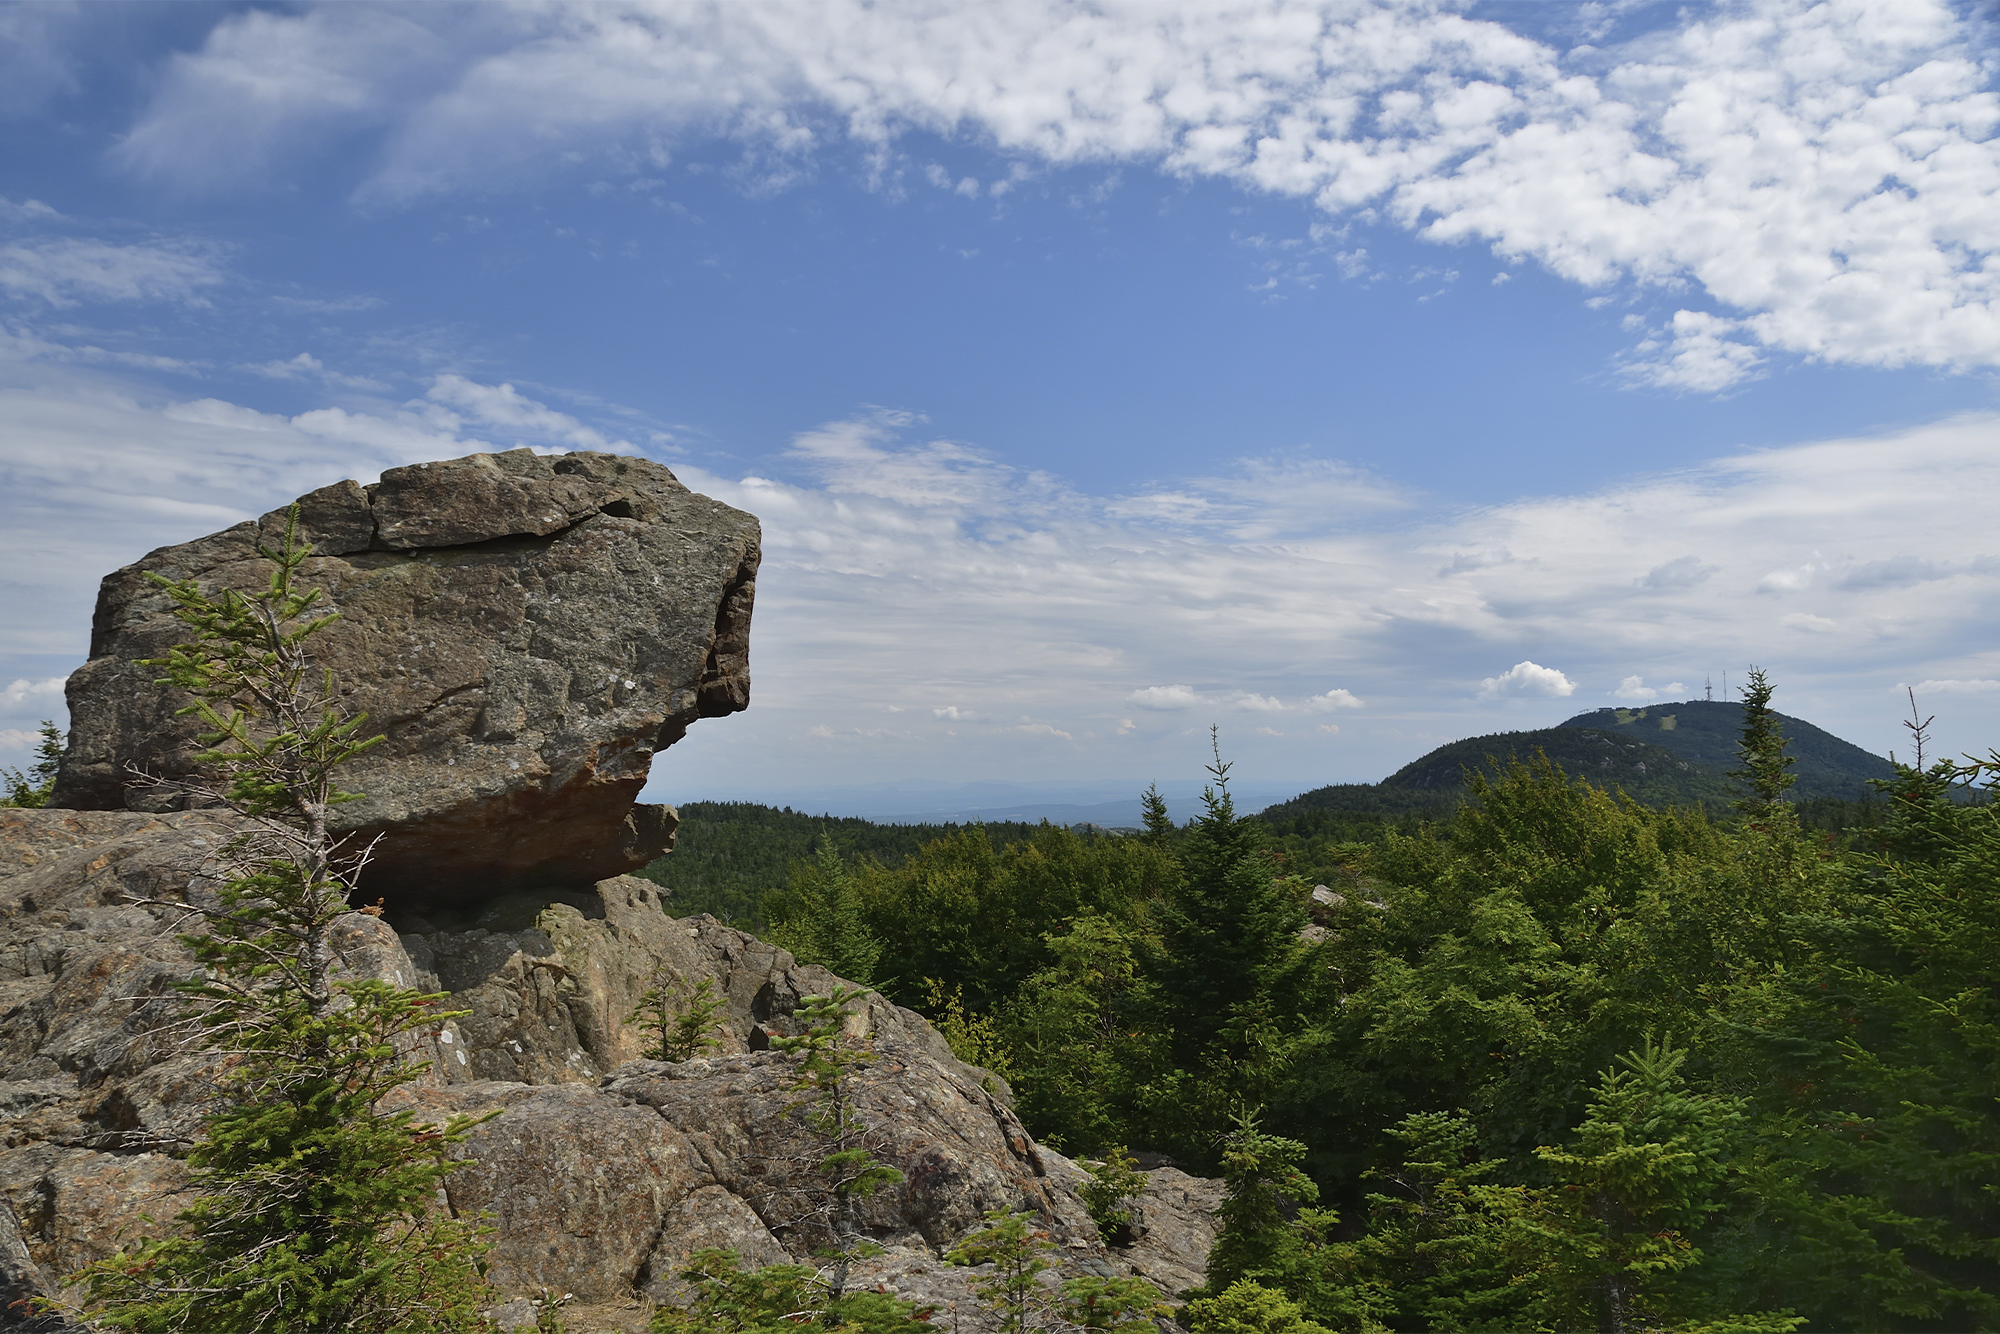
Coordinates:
<point>526,632</point>
<point>601,1174</point>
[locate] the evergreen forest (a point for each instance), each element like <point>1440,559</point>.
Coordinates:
<point>1545,1058</point>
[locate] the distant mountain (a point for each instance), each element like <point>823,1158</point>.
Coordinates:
<point>1649,773</point>
<point>1706,732</point>
<point>1663,755</point>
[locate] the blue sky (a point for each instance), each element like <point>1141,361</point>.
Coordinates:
<point>1352,377</point>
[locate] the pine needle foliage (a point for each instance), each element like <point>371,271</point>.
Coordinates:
<point>32,789</point>
<point>1766,767</point>
<point>822,920</point>
<point>679,1017</point>
<point>315,1209</point>
<point>848,1169</point>
<point>780,1299</point>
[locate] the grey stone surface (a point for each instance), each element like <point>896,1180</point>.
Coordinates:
<point>526,632</point>
<point>602,1173</point>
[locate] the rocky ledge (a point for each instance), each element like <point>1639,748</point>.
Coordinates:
<point>601,1174</point>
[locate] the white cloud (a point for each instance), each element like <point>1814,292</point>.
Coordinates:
<point>1527,678</point>
<point>1908,571</point>
<point>900,571</point>
<point>1164,698</point>
<point>1681,572</point>
<point>1825,174</point>
<point>1635,689</point>
<point>38,56</point>
<point>504,406</point>
<point>1981,686</point>
<point>1788,581</point>
<point>1258,703</point>
<point>28,210</point>
<point>1696,352</point>
<point>264,85</point>
<point>95,477</point>
<point>306,366</point>
<point>23,693</point>
<point>66,271</point>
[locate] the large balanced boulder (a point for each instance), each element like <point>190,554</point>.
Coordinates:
<point>525,632</point>
<point>601,1175</point>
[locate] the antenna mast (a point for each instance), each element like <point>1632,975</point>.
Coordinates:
<point>1708,687</point>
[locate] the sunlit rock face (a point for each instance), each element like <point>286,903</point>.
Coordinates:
<point>602,1174</point>
<point>525,632</point>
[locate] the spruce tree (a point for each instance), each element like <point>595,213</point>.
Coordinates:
<point>843,1157</point>
<point>825,923</point>
<point>1762,752</point>
<point>678,1017</point>
<point>1232,934</point>
<point>31,789</point>
<point>315,1208</point>
<point>1638,1181</point>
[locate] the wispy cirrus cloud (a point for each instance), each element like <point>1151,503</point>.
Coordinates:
<point>64,271</point>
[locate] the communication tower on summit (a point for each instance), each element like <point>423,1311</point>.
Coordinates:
<point>1708,687</point>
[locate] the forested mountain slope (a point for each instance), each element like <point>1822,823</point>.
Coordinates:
<point>728,853</point>
<point>1665,755</point>
<point>1705,732</point>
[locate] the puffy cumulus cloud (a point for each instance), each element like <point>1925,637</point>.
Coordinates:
<point>1812,177</point>
<point>1256,703</point>
<point>1527,678</point>
<point>1334,699</point>
<point>1635,689</point>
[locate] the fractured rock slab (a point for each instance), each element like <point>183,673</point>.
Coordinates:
<point>526,632</point>
<point>601,1175</point>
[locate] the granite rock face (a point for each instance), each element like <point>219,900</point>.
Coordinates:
<point>525,631</point>
<point>602,1174</point>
